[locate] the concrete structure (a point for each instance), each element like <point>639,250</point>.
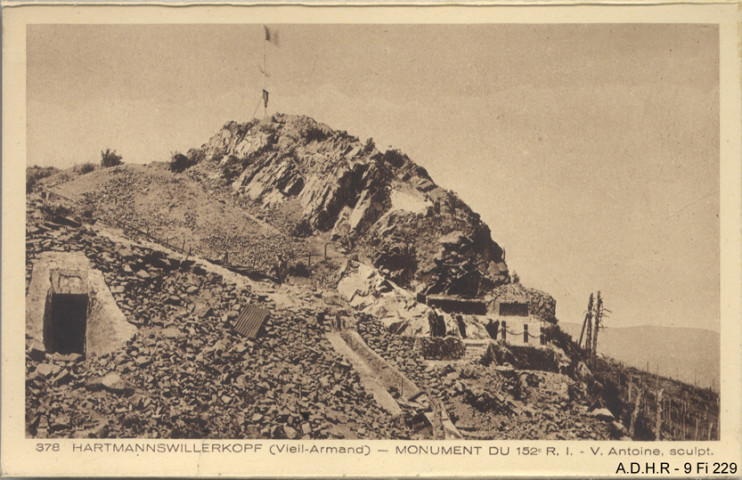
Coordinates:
<point>69,308</point>
<point>453,304</point>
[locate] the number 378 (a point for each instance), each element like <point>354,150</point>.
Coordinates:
<point>47,447</point>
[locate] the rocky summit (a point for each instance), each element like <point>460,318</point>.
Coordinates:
<point>289,281</point>
<point>379,203</point>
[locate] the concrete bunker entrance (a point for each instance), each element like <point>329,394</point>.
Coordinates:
<point>66,315</point>
<point>70,309</point>
<point>67,323</point>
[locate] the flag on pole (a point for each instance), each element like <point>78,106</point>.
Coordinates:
<point>271,35</point>
<point>265,98</point>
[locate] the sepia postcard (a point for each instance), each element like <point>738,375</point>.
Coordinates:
<point>371,240</point>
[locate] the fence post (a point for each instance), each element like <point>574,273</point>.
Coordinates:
<point>658,425</point>
<point>635,414</point>
<point>685,415</point>
<point>504,331</point>
<point>525,333</point>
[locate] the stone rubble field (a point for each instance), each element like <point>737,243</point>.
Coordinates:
<point>186,374</point>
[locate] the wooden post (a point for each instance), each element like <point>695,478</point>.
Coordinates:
<point>589,324</point>
<point>637,406</point>
<point>658,424</point>
<point>598,318</point>
<point>589,336</point>
<point>504,331</point>
<point>525,333</point>
<point>657,377</point>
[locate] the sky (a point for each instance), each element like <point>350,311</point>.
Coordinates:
<point>591,151</point>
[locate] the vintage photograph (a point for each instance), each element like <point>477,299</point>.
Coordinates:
<point>373,231</point>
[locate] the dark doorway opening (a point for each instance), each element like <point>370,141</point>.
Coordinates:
<point>67,323</point>
<point>515,309</point>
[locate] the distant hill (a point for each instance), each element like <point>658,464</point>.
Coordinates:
<point>687,354</point>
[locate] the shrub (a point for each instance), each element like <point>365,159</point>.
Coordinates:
<point>109,158</point>
<point>34,174</point>
<point>56,210</point>
<point>84,168</point>
<point>394,158</point>
<point>299,269</point>
<point>180,162</point>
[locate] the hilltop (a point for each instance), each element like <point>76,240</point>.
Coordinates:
<point>389,310</point>
<point>380,204</point>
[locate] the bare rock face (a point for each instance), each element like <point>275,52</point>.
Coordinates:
<point>420,235</point>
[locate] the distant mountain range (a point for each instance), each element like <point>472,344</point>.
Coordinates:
<point>690,355</point>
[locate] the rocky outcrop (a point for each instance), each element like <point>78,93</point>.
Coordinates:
<point>369,293</point>
<point>378,203</point>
